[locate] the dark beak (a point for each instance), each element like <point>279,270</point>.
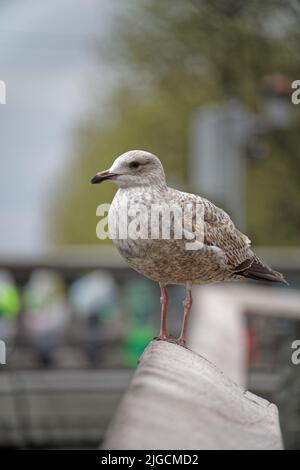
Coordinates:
<point>102,176</point>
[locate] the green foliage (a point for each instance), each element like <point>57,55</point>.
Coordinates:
<point>274,190</point>
<point>175,56</point>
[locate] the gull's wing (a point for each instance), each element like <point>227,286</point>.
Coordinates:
<point>219,232</point>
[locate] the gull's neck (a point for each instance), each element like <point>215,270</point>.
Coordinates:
<point>146,187</point>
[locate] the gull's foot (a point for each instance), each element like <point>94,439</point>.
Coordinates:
<point>181,342</point>
<point>169,339</point>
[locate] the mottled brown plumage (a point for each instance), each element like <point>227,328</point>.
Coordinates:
<point>225,254</point>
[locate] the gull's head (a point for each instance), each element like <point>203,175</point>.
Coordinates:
<point>134,168</point>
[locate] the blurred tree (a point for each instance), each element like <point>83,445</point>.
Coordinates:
<point>173,57</point>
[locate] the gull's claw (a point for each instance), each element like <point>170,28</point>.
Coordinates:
<point>168,339</point>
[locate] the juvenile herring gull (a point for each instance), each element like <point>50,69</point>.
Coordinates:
<point>224,254</point>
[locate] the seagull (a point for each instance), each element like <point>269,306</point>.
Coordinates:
<point>223,252</point>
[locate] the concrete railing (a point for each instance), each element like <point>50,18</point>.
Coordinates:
<point>217,327</point>
<point>179,400</point>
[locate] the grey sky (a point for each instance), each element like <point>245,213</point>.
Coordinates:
<point>48,60</point>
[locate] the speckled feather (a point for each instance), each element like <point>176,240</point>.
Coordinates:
<point>168,261</point>
<point>226,253</point>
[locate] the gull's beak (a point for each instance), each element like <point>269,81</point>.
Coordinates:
<point>102,176</point>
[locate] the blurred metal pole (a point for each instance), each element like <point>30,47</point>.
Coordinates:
<point>220,133</point>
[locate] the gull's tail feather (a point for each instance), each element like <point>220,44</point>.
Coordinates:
<point>261,272</point>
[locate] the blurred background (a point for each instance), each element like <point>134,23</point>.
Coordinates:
<point>205,85</point>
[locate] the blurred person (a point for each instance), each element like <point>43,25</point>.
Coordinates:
<point>46,313</point>
<point>10,306</point>
<point>93,298</point>
<point>140,306</point>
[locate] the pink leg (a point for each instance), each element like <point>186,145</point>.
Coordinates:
<point>187,304</point>
<point>164,333</point>
<point>164,300</point>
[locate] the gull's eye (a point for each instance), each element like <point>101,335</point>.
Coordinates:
<point>134,164</point>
